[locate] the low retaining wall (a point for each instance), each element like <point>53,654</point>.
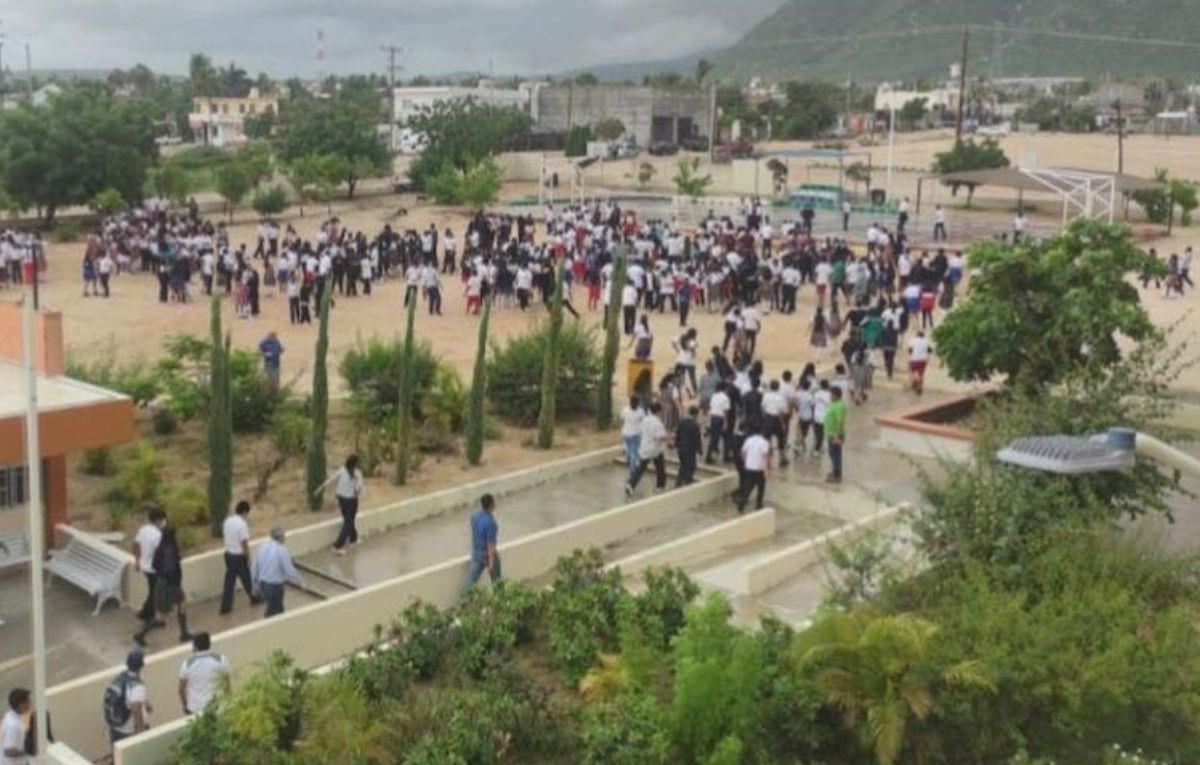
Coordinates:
<point>784,564</point>
<point>928,430</point>
<point>739,531</point>
<point>204,573</point>
<point>323,632</point>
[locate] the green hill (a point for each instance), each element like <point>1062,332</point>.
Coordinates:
<point>872,40</point>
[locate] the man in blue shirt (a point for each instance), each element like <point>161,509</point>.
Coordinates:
<point>271,350</point>
<point>273,568</point>
<point>484,531</point>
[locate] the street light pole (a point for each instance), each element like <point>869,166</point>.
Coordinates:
<point>37,533</point>
<point>891,154</point>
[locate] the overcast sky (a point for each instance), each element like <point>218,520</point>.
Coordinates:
<point>280,36</point>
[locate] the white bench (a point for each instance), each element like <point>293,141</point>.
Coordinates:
<point>14,549</point>
<point>93,570</point>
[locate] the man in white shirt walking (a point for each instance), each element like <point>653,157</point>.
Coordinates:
<point>12,728</point>
<point>236,533</point>
<point>145,544</point>
<point>651,449</point>
<point>201,675</point>
<point>756,460</point>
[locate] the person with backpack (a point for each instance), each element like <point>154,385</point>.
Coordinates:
<point>126,706</point>
<point>168,588</point>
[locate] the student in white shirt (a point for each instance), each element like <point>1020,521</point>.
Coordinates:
<point>822,398</point>
<point>12,728</point>
<point>631,431</point>
<point>132,690</point>
<point>145,543</point>
<point>348,487</point>
<point>651,450</point>
<point>756,460</point>
<point>201,675</point>
<point>236,534</point>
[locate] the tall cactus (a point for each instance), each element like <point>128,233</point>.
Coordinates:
<point>405,404</point>
<point>545,436</point>
<point>315,465</point>
<point>220,424</point>
<point>478,391</point>
<point>612,344</point>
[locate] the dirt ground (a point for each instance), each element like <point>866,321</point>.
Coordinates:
<point>132,324</point>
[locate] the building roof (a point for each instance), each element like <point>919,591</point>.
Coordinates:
<point>1017,180</point>
<point>54,393</point>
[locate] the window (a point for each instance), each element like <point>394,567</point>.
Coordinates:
<point>241,108</point>
<point>12,486</point>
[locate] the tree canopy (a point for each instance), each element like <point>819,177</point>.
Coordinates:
<point>80,143</point>
<point>1038,311</point>
<point>345,125</point>
<point>970,155</point>
<point>461,133</point>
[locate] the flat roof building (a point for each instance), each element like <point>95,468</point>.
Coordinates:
<point>648,114</point>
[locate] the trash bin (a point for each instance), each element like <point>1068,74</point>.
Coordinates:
<point>878,196</point>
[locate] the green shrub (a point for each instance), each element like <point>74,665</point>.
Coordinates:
<point>135,379</point>
<point>422,633</point>
<point>661,609</point>
<point>584,612</point>
<point>491,623</point>
<point>270,201</point>
<point>183,372</point>
<point>164,422</point>
<point>515,371</point>
<point>372,373</point>
<point>289,429</point>
<point>107,202</point>
<point>139,480</point>
<point>339,725</point>
<point>98,462</point>
<point>628,730</point>
<point>186,507</point>
<point>67,231</point>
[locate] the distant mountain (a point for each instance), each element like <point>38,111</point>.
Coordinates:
<point>871,40</point>
<point>634,71</point>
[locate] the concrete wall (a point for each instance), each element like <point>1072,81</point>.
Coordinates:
<point>50,356</point>
<point>785,564</point>
<point>559,108</point>
<point>320,633</point>
<point>739,531</point>
<point>203,573</point>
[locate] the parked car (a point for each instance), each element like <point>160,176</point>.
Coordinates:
<point>727,152</point>
<point>663,149</point>
<point>624,149</point>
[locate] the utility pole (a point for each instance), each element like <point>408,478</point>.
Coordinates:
<point>28,75</point>
<point>962,86</point>
<point>392,50</point>
<point>1120,138</point>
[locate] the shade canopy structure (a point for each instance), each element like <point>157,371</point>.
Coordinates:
<point>1083,193</point>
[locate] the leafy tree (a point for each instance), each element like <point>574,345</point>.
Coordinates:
<point>344,126</point>
<point>304,175</point>
<point>1039,311</point>
<point>170,181</point>
<point>612,344</point>
<point>586,78</point>
<point>688,181</point>
<point>107,202</point>
<point>779,173</point>
<point>577,140</point>
<point>811,109</point>
<point>270,201</point>
<point>203,75</point>
<point>478,185</point>
<point>315,465</point>
<point>548,410</point>
<point>462,132</point>
<point>258,127</point>
<point>703,67</point>
<point>255,159</point>
<point>969,155</point>
<point>406,394</point>
<point>913,111</point>
<point>882,674</point>
<point>80,143</point>
<point>859,173</point>
<point>1160,203</point>
<point>219,423</point>
<point>232,182</point>
<point>475,424</point>
<point>609,129</point>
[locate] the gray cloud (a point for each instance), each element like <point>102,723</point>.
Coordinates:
<point>279,36</point>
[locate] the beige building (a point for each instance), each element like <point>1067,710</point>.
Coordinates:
<point>220,121</point>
